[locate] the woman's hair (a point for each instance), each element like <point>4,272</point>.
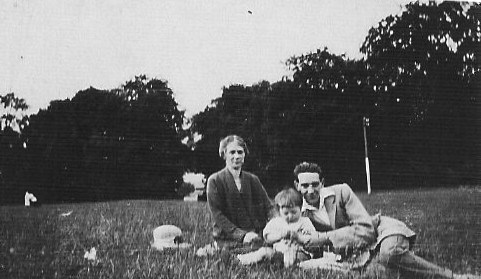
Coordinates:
<point>231,138</point>
<point>307,167</point>
<point>288,198</point>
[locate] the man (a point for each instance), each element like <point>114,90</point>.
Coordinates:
<point>343,223</point>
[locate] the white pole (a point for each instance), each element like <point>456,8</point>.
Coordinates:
<point>365,122</point>
<point>368,176</point>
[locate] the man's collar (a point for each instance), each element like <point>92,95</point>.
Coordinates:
<point>324,193</point>
<point>306,206</point>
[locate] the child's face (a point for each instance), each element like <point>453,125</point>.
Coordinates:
<point>290,214</point>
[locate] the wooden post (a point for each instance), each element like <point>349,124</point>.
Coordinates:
<point>365,122</point>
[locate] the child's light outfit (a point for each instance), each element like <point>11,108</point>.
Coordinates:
<point>278,224</point>
<point>285,246</point>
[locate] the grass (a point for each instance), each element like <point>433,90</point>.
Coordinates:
<point>40,243</point>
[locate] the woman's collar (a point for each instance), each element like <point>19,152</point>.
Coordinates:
<point>234,172</point>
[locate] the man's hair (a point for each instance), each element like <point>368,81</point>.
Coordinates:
<point>308,167</point>
<point>231,138</point>
<point>288,197</point>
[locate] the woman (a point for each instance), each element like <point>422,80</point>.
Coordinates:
<point>237,200</point>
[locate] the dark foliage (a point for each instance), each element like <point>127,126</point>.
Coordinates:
<point>185,189</point>
<point>13,120</point>
<point>427,78</point>
<point>418,84</point>
<point>105,145</point>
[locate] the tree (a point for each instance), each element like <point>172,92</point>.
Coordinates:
<point>154,129</point>
<point>239,111</point>
<point>185,189</point>
<point>13,112</point>
<point>425,38</point>
<point>318,114</point>
<point>426,74</point>
<point>12,122</point>
<point>287,122</point>
<point>333,96</point>
<point>108,144</point>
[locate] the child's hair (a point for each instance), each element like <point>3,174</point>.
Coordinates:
<point>288,197</point>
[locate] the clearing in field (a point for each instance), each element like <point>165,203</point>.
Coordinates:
<point>59,240</point>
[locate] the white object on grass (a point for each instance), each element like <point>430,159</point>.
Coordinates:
<point>256,256</point>
<point>322,263</point>
<point>207,250</point>
<point>192,197</point>
<point>329,256</point>
<point>66,213</point>
<point>91,255</point>
<point>168,236</point>
<point>29,197</point>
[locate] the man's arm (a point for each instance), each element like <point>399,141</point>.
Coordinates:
<point>360,231</point>
<point>307,227</point>
<point>306,232</point>
<point>215,201</point>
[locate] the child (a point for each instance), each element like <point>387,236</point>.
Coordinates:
<point>281,231</point>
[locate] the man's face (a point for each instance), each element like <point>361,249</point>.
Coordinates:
<point>290,214</point>
<point>234,155</point>
<point>309,185</point>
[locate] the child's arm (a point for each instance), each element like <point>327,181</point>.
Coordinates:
<point>304,233</point>
<point>274,231</point>
<point>275,236</point>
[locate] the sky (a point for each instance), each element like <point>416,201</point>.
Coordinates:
<point>51,49</point>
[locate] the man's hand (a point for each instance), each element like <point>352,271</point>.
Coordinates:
<point>250,236</point>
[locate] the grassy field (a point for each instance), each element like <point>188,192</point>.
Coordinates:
<point>41,243</point>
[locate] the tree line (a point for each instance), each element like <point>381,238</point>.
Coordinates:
<point>100,145</point>
<point>418,83</point>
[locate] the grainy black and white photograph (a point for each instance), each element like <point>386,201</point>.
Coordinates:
<point>240,139</point>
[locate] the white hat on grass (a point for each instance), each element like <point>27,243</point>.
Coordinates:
<point>168,236</point>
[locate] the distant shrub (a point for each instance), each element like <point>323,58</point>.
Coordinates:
<point>185,189</point>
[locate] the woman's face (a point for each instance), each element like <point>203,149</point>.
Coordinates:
<point>234,155</point>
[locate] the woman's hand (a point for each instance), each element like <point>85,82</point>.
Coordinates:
<point>250,236</point>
